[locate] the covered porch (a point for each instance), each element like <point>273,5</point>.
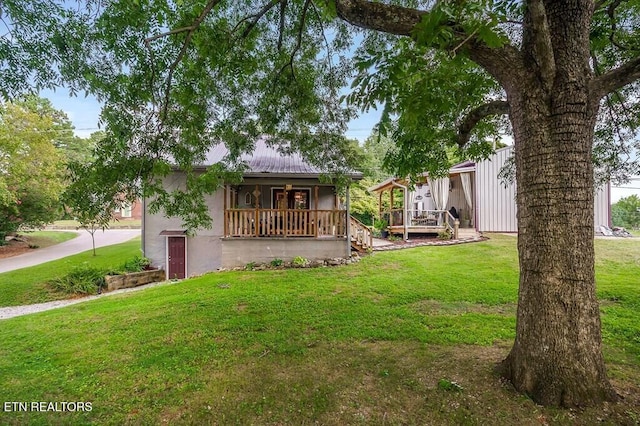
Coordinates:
<point>428,205</point>
<point>293,208</point>
<point>285,223</point>
<point>302,208</point>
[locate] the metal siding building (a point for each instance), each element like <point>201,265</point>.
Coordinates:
<point>496,203</point>
<point>602,207</point>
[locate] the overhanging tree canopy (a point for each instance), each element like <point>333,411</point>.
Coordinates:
<point>177,76</point>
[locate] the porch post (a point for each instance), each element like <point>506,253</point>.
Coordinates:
<point>405,213</point>
<point>256,218</point>
<point>226,218</point>
<point>347,218</point>
<point>391,206</point>
<point>285,212</point>
<point>315,213</point>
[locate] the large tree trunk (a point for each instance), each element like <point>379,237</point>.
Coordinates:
<point>557,355</point>
<point>553,102</point>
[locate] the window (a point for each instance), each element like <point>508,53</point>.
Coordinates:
<point>126,210</point>
<point>298,199</point>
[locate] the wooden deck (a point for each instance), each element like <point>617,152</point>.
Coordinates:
<point>419,221</point>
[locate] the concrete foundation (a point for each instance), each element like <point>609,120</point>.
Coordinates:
<point>240,251</point>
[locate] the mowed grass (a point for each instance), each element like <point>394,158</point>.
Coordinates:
<point>44,239</point>
<point>29,285</point>
<point>359,344</point>
<point>115,224</point>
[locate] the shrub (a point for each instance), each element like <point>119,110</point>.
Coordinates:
<point>299,261</point>
<point>83,279</point>
<point>380,224</point>
<point>445,235</point>
<point>277,262</point>
<point>250,266</point>
<point>136,264</point>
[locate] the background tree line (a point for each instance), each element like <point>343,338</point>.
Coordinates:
<point>626,212</point>
<point>37,147</point>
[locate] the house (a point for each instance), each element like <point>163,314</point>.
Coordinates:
<point>482,202</point>
<point>128,211</point>
<point>280,210</point>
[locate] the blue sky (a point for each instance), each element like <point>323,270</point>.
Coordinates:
<point>84,113</point>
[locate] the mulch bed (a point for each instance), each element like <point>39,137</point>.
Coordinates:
<point>14,248</point>
<point>425,240</point>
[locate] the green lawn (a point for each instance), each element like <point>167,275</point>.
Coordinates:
<point>116,224</point>
<point>44,239</point>
<point>359,344</point>
<point>28,285</point>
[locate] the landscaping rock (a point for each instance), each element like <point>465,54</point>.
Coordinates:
<point>115,282</point>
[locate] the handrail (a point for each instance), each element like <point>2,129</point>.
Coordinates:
<point>435,218</point>
<point>361,234</point>
<point>447,223</point>
<point>453,229</point>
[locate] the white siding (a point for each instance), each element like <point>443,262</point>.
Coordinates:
<point>602,214</point>
<point>495,203</point>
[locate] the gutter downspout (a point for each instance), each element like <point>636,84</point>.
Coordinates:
<point>404,208</point>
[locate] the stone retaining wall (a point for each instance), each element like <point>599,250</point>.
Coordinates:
<point>115,282</point>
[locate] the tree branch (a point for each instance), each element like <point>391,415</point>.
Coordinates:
<point>616,78</point>
<point>541,41</point>
<point>611,11</point>
<point>477,114</point>
<point>283,7</point>
<point>185,46</point>
<point>255,18</point>
<point>148,40</point>
<point>295,50</point>
<point>387,18</point>
<point>598,7</point>
<point>392,19</point>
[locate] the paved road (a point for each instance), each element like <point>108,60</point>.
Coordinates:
<point>77,245</point>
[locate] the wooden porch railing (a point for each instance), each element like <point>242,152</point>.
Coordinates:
<point>360,234</point>
<point>284,223</point>
<point>440,218</point>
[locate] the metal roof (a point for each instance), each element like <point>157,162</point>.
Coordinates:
<point>465,166</point>
<point>267,160</point>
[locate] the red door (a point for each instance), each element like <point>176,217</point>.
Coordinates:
<point>176,257</point>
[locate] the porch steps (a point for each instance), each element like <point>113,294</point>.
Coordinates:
<point>467,233</point>
<point>360,235</point>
